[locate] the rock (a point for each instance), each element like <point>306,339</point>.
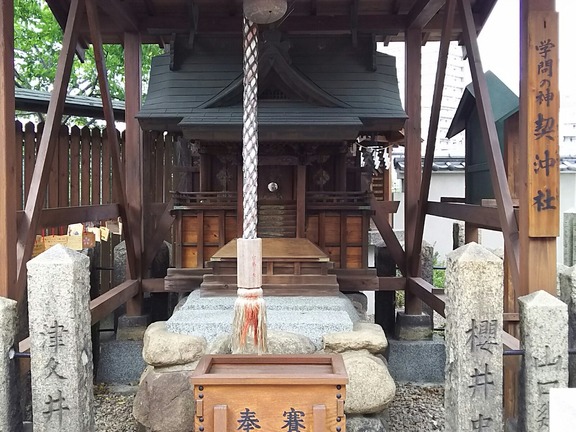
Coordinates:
<point>165,401</point>
<point>370,388</point>
<point>163,348</point>
<point>366,336</point>
<point>161,262</point>
<point>368,423</point>
<point>120,259</point>
<point>222,344</point>
<point>281,342</point>
<point>360,298</point>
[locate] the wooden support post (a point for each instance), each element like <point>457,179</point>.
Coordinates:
<point>133,158</point>
<point>301,201</point>
<point>491,143</point>
<point>29,222</point>
<point>8,146</point>
<point>431,139</point>
<point>119,182</point>
<point>412,170</point>
<point>539,124</point>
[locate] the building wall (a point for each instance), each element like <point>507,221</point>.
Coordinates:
<point>438,231</point>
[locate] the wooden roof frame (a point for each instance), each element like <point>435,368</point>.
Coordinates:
<point>413,22</point>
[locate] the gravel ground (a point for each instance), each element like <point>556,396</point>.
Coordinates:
<point>416,408</point>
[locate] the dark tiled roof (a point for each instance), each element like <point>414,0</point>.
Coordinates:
<point>368,100</point>
<point>503,100</point>
<point>82,106</point>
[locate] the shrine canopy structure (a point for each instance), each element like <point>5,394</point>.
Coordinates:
<point>311,56</point>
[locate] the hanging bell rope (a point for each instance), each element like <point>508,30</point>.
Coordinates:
<point>249,309</point>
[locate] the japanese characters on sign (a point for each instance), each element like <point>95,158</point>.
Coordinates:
<point>293,420</point>
<point>543,146</point>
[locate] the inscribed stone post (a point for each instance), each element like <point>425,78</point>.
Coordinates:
<point>10,414</point>
<point>60,345</point>
<point>474,289</point>
<point>568,295</point>
<point>569,224</point>
<point>544,335</point>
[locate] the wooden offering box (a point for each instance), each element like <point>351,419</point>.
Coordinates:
<point>270,393</point>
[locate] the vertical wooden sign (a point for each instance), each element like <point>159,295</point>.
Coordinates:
<point>543,101</point>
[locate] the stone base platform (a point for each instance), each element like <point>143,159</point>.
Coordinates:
<point>417,361</point>
<point>310,316</point>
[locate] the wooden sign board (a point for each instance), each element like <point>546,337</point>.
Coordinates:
<point>270,393</point>
<point>543,101</point>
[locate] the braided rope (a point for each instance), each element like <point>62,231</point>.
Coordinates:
<point>250,130</point>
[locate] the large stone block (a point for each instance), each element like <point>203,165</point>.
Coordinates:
<point>279,343</point>
<point>370,388</point>
<point>61,362</point>
<point>474,306</point>
<point>10,412</point>
<point>164,348</point>
<point>567,278</point>
<point>165,401</point>
<point>366,336</point>
<point>544,335</point>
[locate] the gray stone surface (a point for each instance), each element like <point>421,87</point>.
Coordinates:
<point>474,290</point>
<point>164,348</point>
<point>165,401</point>
<point>458,235</point>
<point>10,412</point>
<point>60,343</point>
<point>364,423</point>
<point>121,362</point>
<point>370,387</point>
<point>132,327</point>
<point>310,316</point>
<point>568,246</point>
<point>120,259</point>
<point>366,336</point>
<point>429,355</point>
<point>568,295</point>
<point>544,335</point>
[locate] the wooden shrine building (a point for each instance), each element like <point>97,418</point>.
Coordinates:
<point>323,89</point>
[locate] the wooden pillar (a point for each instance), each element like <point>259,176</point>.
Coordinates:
<point>301,201</point>
<point>8,191</point>
<point>205,172</point>
<point>412,170</point>
<point>134,158</point>
<point>539,123</point>
<point>341,169</point>
<point>28,224</point>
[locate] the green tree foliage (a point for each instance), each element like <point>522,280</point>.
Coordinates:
<point>37,44</point>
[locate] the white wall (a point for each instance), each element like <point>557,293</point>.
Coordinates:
<point>438,231</point>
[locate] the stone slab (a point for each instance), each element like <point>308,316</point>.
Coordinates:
<point>10,412</point>
<point>121,362</point>
<point>310,316</point>
<point>474,306</point>
<point>544,335</point>
<point>60,341</point>
<point>429,355</point>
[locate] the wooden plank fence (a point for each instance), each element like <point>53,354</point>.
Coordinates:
<point>82,174</point>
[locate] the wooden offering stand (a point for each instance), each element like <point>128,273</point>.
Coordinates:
<point>270,393</point>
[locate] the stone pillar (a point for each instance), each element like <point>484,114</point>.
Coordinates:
<point>569,227</point>
<point>474,290</point>
<point>568,295</point>
<point>10,413</point>
<point>60,345</point>
<point>544,336</point>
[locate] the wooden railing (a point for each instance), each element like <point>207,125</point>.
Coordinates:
<point>222,200</point>
<point>323,200</point>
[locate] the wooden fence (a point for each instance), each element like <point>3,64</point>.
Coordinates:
<point>82,174</point>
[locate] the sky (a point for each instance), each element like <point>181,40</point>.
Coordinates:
<point>499,44</point>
